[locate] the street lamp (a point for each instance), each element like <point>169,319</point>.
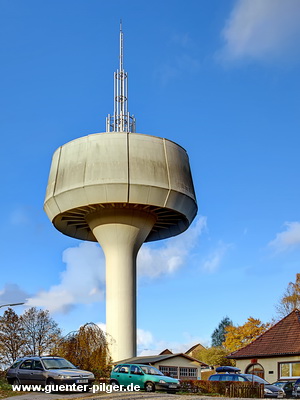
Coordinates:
<point>11,305</point>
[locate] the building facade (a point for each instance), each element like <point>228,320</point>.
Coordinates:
<point>274,355</point>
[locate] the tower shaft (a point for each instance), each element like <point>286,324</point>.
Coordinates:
<point>121,233</point>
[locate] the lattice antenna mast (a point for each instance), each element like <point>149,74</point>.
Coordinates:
<point>121,120</point>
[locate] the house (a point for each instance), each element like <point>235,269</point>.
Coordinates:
<point>274,355</point>
<point>194,350</point>
<point>177,365</point>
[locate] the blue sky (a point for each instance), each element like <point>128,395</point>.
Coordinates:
<point>220,78</point>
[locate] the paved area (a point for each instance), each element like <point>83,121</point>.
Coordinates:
<point>114,396</point>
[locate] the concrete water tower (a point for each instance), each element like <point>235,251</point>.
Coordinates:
<point>121,189</point>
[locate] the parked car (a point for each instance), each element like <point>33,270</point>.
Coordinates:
<point>48,371</point>
<point>296,389</point>
<point>145,376</point>
<point>287,386</point>
<point>269,390</point>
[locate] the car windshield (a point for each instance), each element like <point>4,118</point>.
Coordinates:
<point>280,384</point>
<point>151,370</point>
<point>57,363</point>
<point>255,378</point>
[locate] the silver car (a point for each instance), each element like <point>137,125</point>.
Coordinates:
<point>296,389</point>
<point>48,370</point>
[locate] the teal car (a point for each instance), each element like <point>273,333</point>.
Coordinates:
<point>144,376</point>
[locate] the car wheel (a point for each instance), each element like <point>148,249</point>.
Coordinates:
<point>50,382</point>
<point>149,387</point>
<point>114,383</point>
<point>16,382</point>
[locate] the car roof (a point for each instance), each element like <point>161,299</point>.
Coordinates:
<point>228,368</point>
<point>138,365</point>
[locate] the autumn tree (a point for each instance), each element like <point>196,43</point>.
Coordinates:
<point>40,330</point>
<point>12,339</point>
<point>218,335</point>
<point>215,355</point>
<point>290,299</point>
<point>87,349</point>
<point>240,336</point>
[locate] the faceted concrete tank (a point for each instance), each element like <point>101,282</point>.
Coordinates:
<point>120,189</point>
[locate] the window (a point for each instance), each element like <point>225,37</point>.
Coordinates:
<point>184,371</point>
<point>255,369</point>
<point>15,364</point>
<point>26,364</point>
<point>36,364</point>
<point>227,377</point>
<point>169,371</point>
<point>190,373</point>
<point>135,370</point>
<point>289,370</point>
<point>124,369</point>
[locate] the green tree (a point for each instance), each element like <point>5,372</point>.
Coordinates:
<point>87,348</point>
<point>214,356</point>
<point>12,339</point>
<point>218,336</point>
<point>40,330</point>
<point>290,299</point>
<point>239,336</point>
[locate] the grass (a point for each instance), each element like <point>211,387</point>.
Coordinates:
<point>6,389</point>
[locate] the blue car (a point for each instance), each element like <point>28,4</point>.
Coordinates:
<point>231,374</point>
<point>144,376</point>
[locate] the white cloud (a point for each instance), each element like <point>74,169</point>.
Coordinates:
<point>213,261</point>
<point>81,282</point>
<point>171,255</point>
<point>149,345</point>
<point>261,29</point>
<point>144,339</point>
<point>288,239</point>
<point>102,326</point>
<point>12,293</point>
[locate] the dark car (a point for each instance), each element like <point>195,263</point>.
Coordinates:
<point>287,386</point>
<point>296,389</point>
<point>48,371</point>
<point>269,390</point>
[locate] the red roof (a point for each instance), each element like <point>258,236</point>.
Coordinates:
<point>281,339</point>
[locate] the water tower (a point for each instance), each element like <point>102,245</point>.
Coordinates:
<point>121,189</point>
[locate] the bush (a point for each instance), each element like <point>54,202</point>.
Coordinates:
<point>228,389</point>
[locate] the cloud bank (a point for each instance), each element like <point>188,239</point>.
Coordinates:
<point>261,30</point>
<point>289,239</point>
<point>83,280</point>
<point>12,293</point>
<point>171,254</point>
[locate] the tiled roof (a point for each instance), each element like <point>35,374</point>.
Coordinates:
<point>281,339</point>
<point>157,358</point>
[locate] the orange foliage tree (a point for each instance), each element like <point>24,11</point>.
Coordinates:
<point>87,349</point>
<point>290,299</point>
<point>239,336</point>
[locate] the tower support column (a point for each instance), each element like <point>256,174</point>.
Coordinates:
<point>121,232</point>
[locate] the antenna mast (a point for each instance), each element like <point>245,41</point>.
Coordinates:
<point>121,120</point>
